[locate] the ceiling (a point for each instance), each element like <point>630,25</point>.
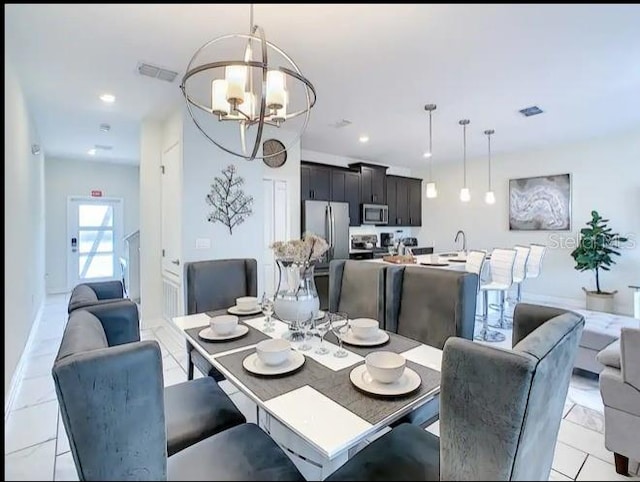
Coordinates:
<point>375,66</point>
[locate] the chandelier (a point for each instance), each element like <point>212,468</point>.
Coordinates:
<point>268,90</point>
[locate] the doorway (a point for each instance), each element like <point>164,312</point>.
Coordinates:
<point>94,239</point>
<point>276,227</point>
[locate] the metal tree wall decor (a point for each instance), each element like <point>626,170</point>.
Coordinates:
<point>230,204</point>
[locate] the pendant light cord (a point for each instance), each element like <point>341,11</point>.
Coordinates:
<point>489,143</point>
<point>430,150</point>
<point>251,18</point>
<point>464,150</point>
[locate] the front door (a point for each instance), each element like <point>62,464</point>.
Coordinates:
<point>94,239</point>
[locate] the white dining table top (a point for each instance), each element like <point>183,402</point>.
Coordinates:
<point>326,425</point>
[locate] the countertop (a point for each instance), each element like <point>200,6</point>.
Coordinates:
<point>429,258</point>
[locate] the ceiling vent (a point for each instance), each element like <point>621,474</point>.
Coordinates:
<point>105,127</point>
<point>341,123</point>
<point>529,111</point>
<point>156,72</point>
<point>102,147</point>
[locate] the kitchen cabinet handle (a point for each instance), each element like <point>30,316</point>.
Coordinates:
<point>176,262</point>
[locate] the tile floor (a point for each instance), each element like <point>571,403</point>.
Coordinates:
<point>36,446</point>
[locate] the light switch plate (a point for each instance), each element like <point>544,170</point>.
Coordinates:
<point>203,243</point>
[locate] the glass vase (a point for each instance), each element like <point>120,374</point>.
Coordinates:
<point>296,298</point>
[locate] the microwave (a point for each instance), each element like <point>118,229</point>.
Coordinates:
<point>375,214</point>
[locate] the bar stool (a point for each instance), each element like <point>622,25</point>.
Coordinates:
<point>501,264</point>
<point>474,264</point>
<point>519,274</point>
<point>534,263</point>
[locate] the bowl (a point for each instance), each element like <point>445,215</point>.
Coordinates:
<point>273,352</point>
<point>385,366</point>
<point>364,328</point>
<point>247,303</point>
<point>223,324</point>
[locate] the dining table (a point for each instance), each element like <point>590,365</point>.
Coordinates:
<point>316,413</point>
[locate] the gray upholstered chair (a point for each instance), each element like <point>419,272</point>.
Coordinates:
<point>215,285</point>
<point>357,288</point>
<point>90,346</point>
<point>500,410</point>
<point>114,410</point>
<point>89,294</point>
<point>620,390</point>
<point>430,304</point>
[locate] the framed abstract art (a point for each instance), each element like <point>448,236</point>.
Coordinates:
<point>540,203</point>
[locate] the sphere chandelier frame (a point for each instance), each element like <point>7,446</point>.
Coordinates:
<point>268,115</point>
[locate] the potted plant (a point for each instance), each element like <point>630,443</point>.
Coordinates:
<point>594,252</point>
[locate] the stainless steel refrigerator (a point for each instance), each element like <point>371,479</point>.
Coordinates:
<point>331,221</point>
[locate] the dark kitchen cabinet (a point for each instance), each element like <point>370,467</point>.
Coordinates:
<point>415,201</point>
<point>373,183</point>
<point>404,201</point>
<point>345,187</point>
<point>315,182</point>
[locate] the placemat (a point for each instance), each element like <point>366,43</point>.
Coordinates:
<point>367,406</point>
<point>396,344</point>
<point>254,336</point>
<point>268,387</point>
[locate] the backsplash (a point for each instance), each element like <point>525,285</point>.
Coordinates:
<point>397,232</point>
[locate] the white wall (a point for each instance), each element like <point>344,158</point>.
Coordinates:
<point>202,161</point>
<point>64,178</point>
<point>24,224</point>
<point>605,177</point>
<point>151,135</point>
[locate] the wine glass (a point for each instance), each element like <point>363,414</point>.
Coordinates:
<point>266,305</point>
<point>306,326</point>
<point>322,328</point>
<point>339,324</point>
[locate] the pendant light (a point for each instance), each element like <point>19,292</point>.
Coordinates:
<point>489,197</point>
<point>465,195</point>
<point>432,191</point>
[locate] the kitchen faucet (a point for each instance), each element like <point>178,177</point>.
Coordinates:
<point>464,240</point>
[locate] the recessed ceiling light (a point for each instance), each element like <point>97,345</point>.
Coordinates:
<point>91,152</point>
<point>364,139</point>
<point>426,154</point>
<point>108,98</point>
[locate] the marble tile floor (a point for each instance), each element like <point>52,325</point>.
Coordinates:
<point>36,446</point>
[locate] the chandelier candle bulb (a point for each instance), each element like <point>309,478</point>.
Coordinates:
<point>219,104</point>
<point>275,89</point>
<point>280,115</point>
<point>236,76</point>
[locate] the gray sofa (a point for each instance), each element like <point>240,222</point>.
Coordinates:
<point>95,342</point>
<point>357,288</point>
<point>214,285</point>
<point>620,390</point>
<point>116,414</point>
<point>89,294</point>
<point>500,410</point>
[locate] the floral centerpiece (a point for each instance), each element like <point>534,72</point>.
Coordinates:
<point>296,298</point>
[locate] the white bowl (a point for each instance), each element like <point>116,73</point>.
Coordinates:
<point>273,352</point>
<point>247,303</point>
<point>364,328</point>
<point>385,366</point>
<point>223,324</point>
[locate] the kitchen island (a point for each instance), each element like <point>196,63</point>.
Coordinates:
<point>437,260</point>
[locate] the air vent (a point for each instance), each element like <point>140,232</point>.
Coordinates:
<point>340,124</point>
<point>529,111</point>
<point>105,127</point>
<point>102,147</point>
<point>156,72</point>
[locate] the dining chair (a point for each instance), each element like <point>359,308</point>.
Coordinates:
<point>90,343</point>
<point>501,266</point>
<point>500,411</point>
<point>357,288</point>
<point>214,285</point>
<point>115,412</point>
<point>95,293</point>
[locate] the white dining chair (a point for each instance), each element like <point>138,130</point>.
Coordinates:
<point>501,265</point>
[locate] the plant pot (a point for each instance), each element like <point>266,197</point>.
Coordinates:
<point>600,301</point>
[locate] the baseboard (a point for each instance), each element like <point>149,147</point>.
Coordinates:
<point>17,374</point>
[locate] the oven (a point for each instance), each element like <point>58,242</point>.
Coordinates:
<point>377,214</point>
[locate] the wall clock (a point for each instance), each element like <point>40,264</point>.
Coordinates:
<point>271,147</point>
